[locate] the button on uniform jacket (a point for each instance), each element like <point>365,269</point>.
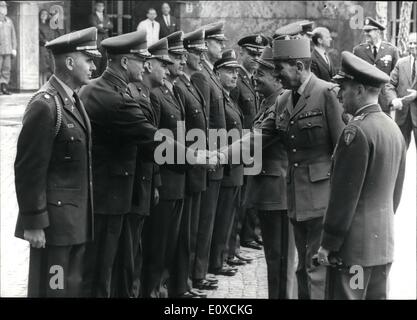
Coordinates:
<point>401,80</point>
<point>209,85</point>
<point>147,171</point>
<point>366,184</point>
<point>170,115</point>
<point>245,97</point>
<point>53,171</point>
<point>118,127</point>
<point>195,118</point>
<point>268,190</point>
<point>320,67</point>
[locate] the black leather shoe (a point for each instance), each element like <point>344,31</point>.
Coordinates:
<point>225,271</point>
<point>211,278</point>
<point>4,89</point>
<point>235,261</point>
<point>204,285</point>
<point>245,258</point>
<point>198,293</point>
<point>188,295</point>
<point>260,241</point>
<point>251,244</point>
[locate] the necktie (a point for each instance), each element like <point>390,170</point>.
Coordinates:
<point>375,52</point>
<point>168,23</point>
<point>326,58</point>
<point>77,109</point>
<point>414,70</point>
<point>295,98</point>
<point>152,24</point>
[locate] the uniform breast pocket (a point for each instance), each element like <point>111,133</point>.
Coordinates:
<point>312,128</point>
<point>70,147</point>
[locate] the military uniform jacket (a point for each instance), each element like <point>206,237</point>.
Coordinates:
<point>246,98</point>
<point>233,174</point>
<point>118,126</point>
<point>170,113</point>
<point>268,190</point>
<point>53,168</point>
<point>385,61</point>
<point>310,132</point>
<point>209,85</point>
<point>366,184</point>
<point>401,80</point>
<point>195,118</point>
<point>147,175</point>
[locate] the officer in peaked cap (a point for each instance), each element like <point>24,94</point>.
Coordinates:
<point>377,52</point>
<point>370,154</point>
<point>215,31</point>
<point>247,99</point>
<point>226,69</point>
<point>120,127</point>
<point>311,103</point>
<point>54,184</point>
<point>295,29</point>
<point>194,41</point>
<point>159,51</point>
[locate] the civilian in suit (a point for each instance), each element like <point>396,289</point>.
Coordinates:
<point>379,53</point>
<point>150,26</point>
<point>367,176</point>
<point>8,47</point>
<point>102,22</point>
<point>53,175</point>
<point>267,192</point>
<point>167,22</point>
<point>321,65</point>
<point>401,91</point>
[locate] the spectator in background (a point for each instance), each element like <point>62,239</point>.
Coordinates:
<point>167,22</point>
<point>8,46</point>
<point>150,26</point>
<point>102,22</point>
<point>46,33</point>
<point>321,65</point>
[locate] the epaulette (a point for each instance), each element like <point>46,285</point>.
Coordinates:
<point>359,117</point>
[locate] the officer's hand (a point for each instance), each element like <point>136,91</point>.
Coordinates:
<point>323,256</point>
<point>397,104</point>
<point>155,197</point>
<point>411,96</point>
<point>100,25</point>
<point>36,237</point>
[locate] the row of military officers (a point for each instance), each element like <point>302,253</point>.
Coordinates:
<point>104,220</point>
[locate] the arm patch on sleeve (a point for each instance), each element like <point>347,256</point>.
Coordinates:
<point>349,134</point>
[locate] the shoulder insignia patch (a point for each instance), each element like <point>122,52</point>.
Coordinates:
<point>349,134</point>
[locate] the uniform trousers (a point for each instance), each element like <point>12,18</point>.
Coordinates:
<point>209,200</point>
<point>101,254</point>
<point>279,247</point>
<point>160,245</point>
<point>311,279</point>
<point>369,284</point>
<point>223,223</point>
<point>180,280</point>
<point>5,68</point>
<point>56,271</point>
<point>127,272</point>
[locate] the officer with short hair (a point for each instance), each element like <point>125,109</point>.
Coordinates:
<point>53,171</point>
<point>377,52</point>
<point>366,183</point>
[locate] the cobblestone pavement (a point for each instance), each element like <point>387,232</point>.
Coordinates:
<point>249,282</point>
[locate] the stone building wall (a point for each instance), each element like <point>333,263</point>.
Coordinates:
<point>248,17</point>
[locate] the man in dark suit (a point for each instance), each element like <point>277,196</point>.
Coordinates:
<point>366,183</point>
<point>267,192</point>
<point>102,22</point>
<point>229,199</point>
<point>379,53</point>
<point>321,65</point>
<point>53,172</point>
<point>401,91</point>
<point>168,23</point>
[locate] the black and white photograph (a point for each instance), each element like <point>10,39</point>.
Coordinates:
<point>255,150</point>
